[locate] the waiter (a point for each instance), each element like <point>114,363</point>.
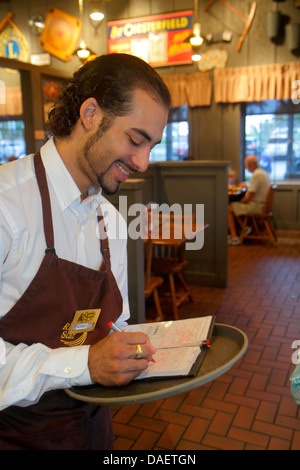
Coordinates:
<point>60,282</point>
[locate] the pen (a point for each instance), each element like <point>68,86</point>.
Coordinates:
<point>115,328</point>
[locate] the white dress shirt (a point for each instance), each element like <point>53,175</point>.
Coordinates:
<point>30,371</point>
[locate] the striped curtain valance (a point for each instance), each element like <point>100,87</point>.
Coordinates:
<point>193,89</point>
<point>256,83</point>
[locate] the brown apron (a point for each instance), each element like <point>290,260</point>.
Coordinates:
<point>43,314</point>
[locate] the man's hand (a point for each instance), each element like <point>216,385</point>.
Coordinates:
<point>112,360</point>
<point>248,197</point>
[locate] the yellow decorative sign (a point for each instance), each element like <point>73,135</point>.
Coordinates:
<point>160,40</point>
<point>13,43</point>
<point>60,34</point>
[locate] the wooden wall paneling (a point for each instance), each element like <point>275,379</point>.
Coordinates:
<point>201,183</point>
<point>286,206</point>
<point>230,142</point>
<point>138,8</point>
<point>30,110</point>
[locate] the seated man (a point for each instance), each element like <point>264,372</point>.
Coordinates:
<point>254,199</point>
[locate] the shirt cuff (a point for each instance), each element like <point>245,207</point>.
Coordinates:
<point>70,364</point>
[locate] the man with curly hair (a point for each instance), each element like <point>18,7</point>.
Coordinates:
<point>60,284</point>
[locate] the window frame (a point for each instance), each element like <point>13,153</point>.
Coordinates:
<point>176,115</point>
<point>274,107</point>
<point>16,119</point>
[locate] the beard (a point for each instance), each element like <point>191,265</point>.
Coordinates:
<point>108,191</point>
<point>94,139</point>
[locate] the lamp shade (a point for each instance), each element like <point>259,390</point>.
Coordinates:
<point>96,15</point>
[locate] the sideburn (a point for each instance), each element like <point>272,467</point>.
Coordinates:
<point>102,129</point>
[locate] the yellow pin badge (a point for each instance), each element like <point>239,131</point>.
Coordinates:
<point>83,322</point>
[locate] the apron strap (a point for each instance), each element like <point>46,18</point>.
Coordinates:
<point>46,204</point>
<point>47,213</point>
<point>103,239</point>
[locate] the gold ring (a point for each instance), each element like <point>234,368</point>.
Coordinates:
<point>138,352</point>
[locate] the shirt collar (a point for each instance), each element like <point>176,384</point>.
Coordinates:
<point>64,186</point>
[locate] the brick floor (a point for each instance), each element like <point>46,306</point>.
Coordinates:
<point>250,407</point>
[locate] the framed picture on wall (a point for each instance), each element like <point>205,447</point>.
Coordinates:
<point>51,89</point>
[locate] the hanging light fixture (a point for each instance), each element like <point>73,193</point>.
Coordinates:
<point>196,39</point>
<point>83,51</point>
<point>96,16</point>
<point>196,56</point>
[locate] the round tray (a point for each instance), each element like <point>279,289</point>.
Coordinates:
<point>228,344</point>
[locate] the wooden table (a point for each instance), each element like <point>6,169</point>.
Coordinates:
<point>228,345</point>
<point>174,233</point>
<point>236,190</point>
<point>236,193</point>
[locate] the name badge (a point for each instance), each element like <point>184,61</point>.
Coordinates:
<point>84,320</point>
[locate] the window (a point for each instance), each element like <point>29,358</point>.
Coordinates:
<point>12,141</point>
<point>271,132</point>
<point>12,127</point>
<point>175,140</point>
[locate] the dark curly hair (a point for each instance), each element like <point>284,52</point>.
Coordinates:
<point>111,80</point>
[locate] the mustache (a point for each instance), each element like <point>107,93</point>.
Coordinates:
<point>126,165</point>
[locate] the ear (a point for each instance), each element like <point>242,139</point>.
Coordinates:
<point>89,113</point>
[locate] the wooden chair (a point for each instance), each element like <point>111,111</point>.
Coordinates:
<point>151,283</point>
<point>261,227</point>
<point>169,263</point>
